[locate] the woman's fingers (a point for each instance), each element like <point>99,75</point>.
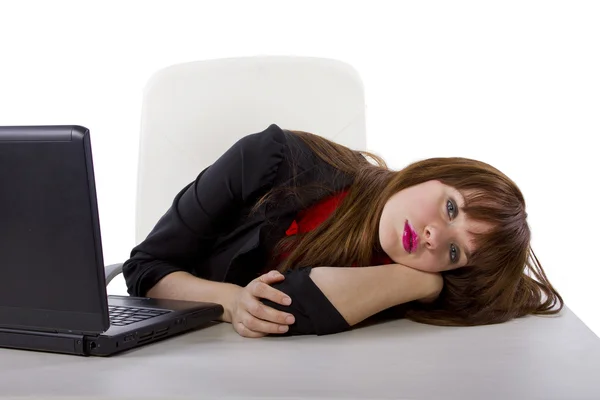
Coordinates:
<point>269,314</point>
<point>271,277</point>
<point>259,325</point>
<point>261,288</point>
<point>255,319</point>
<point>244,331</point>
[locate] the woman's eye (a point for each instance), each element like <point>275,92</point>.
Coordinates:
<point>451,208</point>
<point>453,254</point>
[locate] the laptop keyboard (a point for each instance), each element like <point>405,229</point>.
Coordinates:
<point>122,316</point>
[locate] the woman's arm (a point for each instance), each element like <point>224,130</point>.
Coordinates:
<point>325,299</point>
<point>166,263</point>
<point>181,285</point>
<point>204,210</point>
<point>238,302</point>
<point>328,300</point>
<point>358,293</point>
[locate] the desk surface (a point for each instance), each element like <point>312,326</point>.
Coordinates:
<point>530,358</point>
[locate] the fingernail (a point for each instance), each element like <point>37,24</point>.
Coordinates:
<point>283,328</point>
<point>274,273</point>
<point>287,301</point>
<point>289,319</point>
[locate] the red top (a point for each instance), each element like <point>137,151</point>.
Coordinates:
<point>309,219</point>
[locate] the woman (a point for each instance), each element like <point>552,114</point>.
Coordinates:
<point>343,238</point>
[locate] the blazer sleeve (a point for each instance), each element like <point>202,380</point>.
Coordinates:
<point>313,312</point>
<point>202,208</point>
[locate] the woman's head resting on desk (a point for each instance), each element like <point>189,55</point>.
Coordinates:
<point>460,217</point>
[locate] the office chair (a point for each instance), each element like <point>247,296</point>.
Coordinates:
<point>193,112</point>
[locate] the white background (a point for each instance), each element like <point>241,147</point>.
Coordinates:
<point>513,83</point>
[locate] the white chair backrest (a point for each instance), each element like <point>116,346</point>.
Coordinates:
<point>193,112</point>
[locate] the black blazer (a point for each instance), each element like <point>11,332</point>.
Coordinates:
<point>208,231</point>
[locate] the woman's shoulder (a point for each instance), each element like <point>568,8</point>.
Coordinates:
<point>296,159</point>
<point>280,142</point>
<point>277,135</point>
<point>272,138</point>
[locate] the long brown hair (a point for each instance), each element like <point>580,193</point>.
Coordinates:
<point>494,287</point>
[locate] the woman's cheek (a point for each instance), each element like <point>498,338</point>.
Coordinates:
<point>387,237</point>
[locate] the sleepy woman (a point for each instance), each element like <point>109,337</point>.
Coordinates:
<point>295,234</point>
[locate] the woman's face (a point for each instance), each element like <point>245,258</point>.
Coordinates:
<point>424,227</point>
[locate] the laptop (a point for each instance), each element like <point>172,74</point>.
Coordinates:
<point>52,282</point>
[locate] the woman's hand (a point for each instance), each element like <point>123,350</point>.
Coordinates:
<point>250,317</point>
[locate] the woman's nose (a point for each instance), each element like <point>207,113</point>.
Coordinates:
<point>431,237</point>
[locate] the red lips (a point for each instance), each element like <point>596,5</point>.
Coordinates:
<point>410,238</point>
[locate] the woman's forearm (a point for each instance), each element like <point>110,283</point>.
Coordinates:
<point>182,285</point>
<point>358,293</point>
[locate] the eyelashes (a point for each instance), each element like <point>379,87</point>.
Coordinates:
<point>452,213</point>
<point>452,208</point>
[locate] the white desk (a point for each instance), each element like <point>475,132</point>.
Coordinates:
<point>531,358</point>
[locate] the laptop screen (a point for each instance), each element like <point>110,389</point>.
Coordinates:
<point>51,267</point>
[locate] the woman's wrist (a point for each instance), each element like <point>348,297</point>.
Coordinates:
<point>424,286</point>
<point>229,294</point>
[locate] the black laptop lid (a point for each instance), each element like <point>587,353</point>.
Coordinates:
<point>51,264</point>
